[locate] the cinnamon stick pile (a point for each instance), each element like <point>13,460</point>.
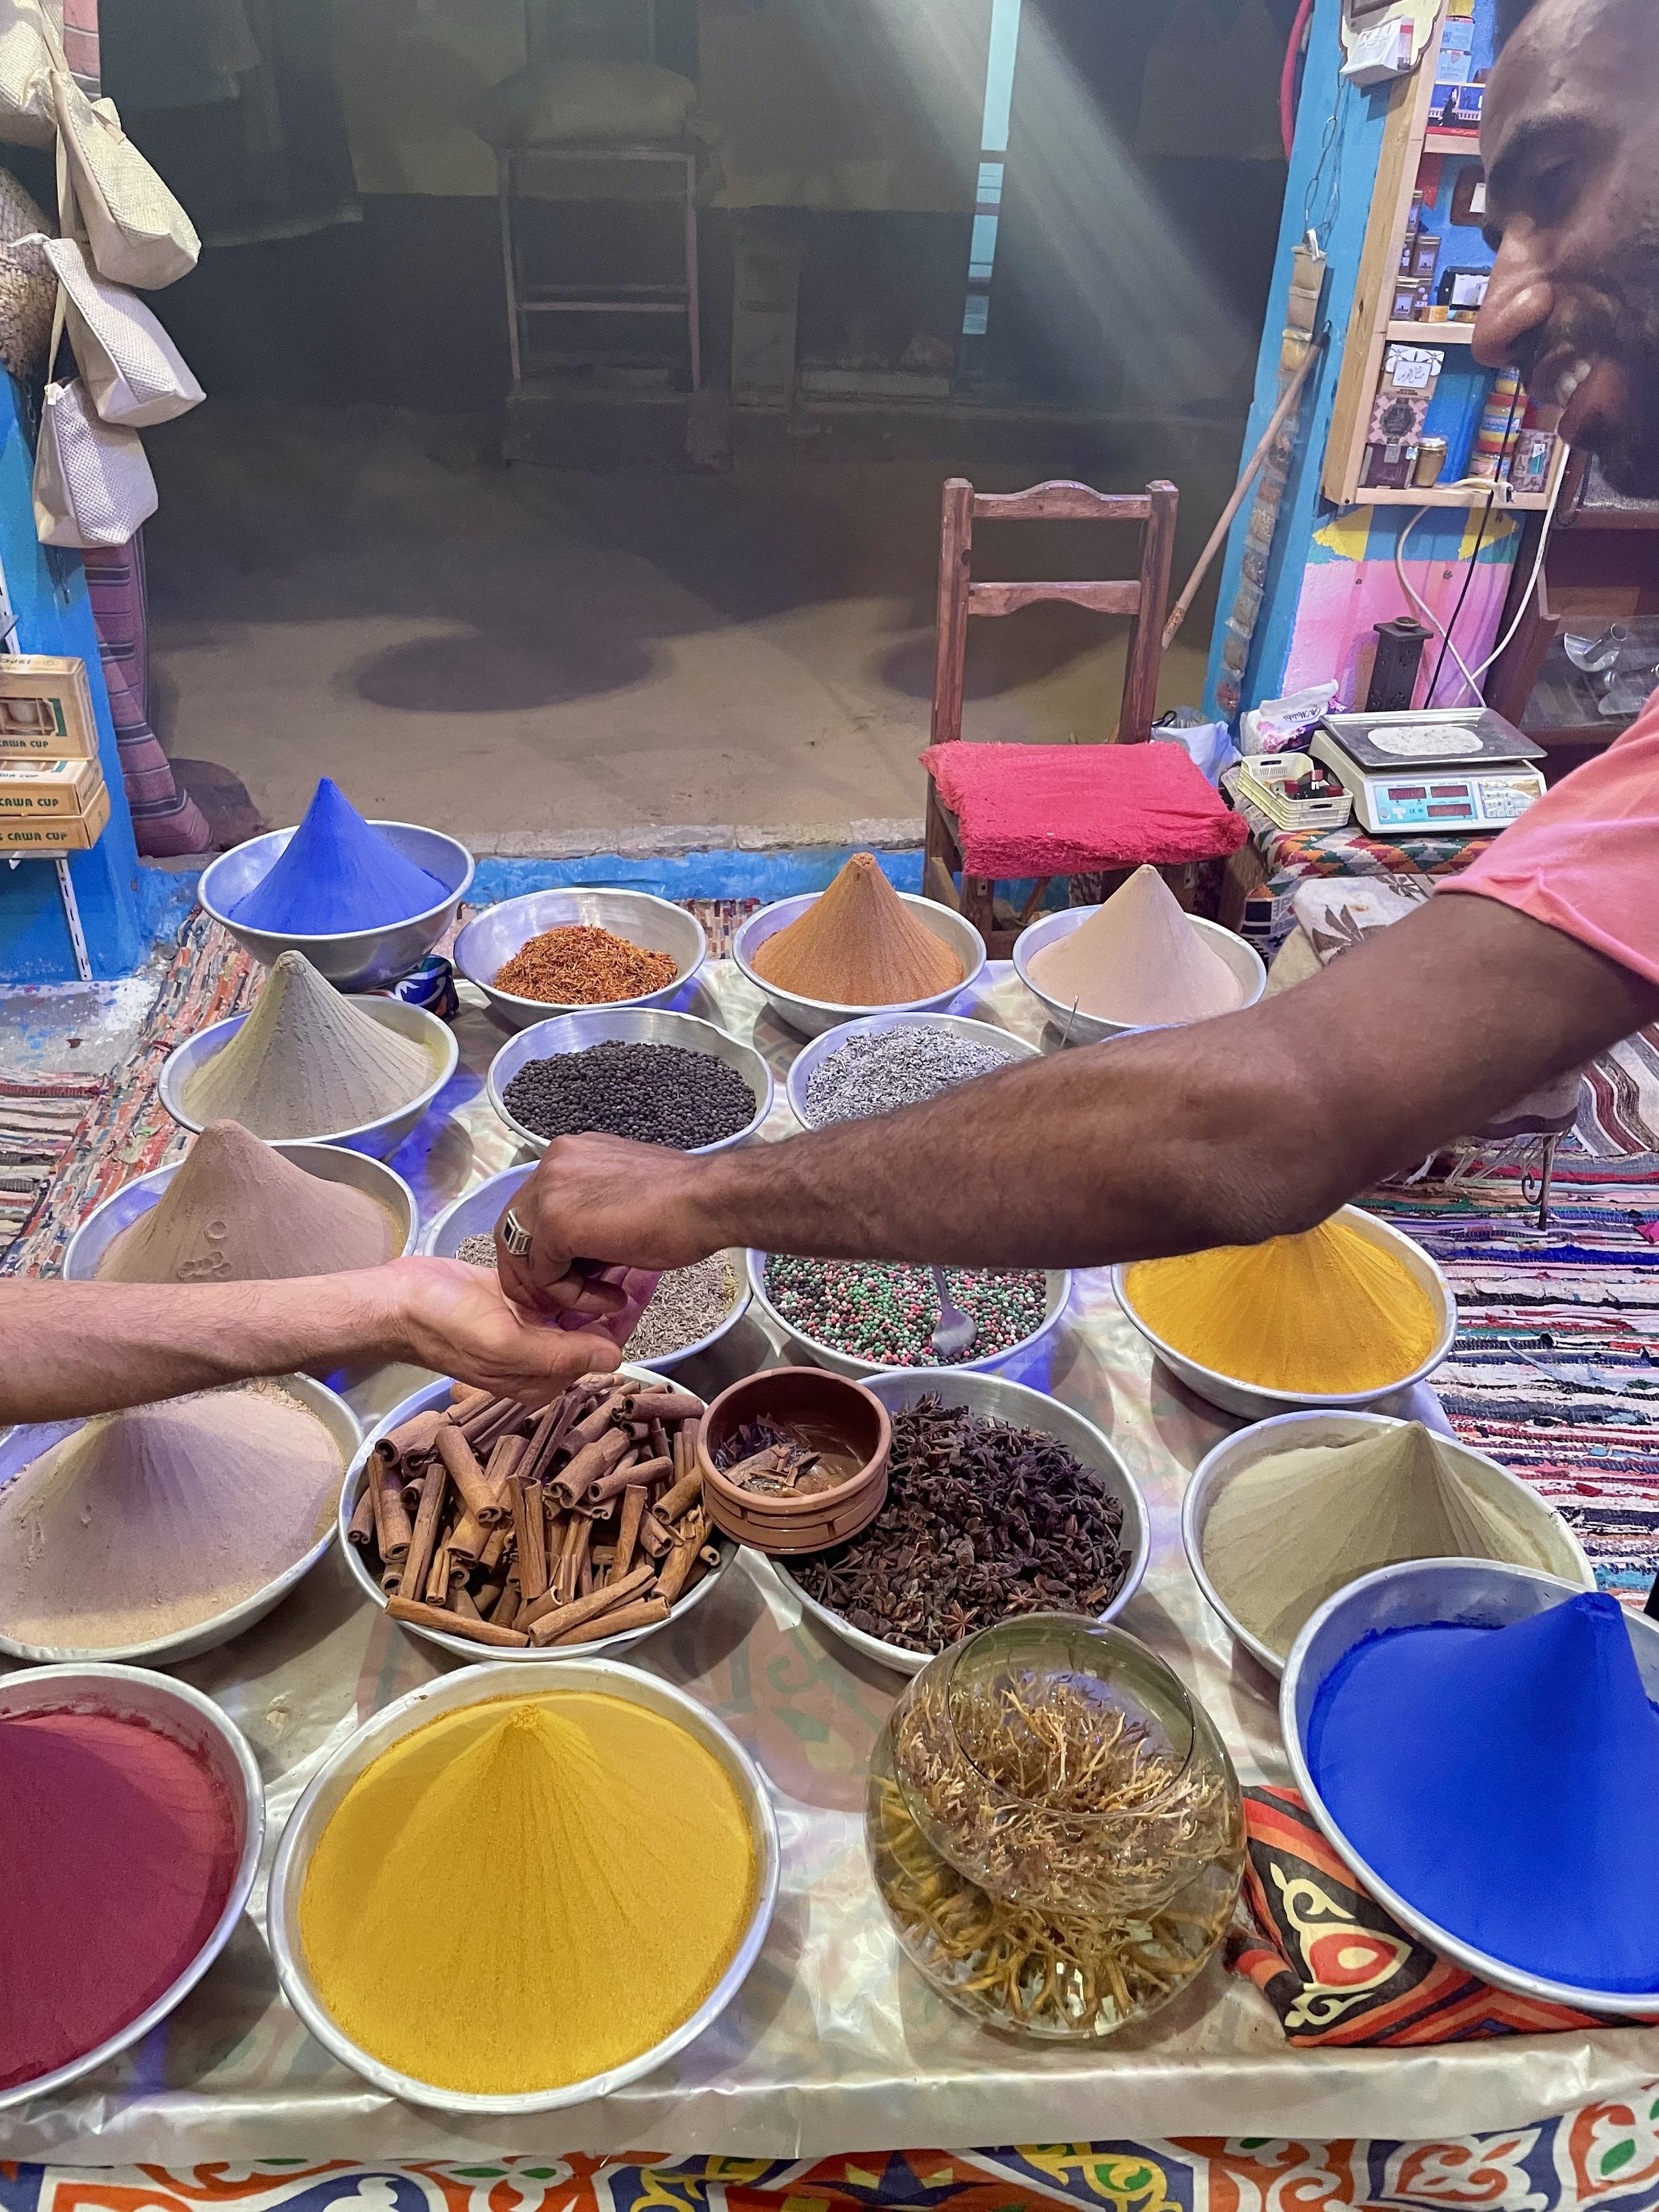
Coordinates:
<point>559,1526</point>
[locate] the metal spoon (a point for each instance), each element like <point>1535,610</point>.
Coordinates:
<point>953,1338</point>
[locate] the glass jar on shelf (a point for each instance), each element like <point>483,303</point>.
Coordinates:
<point>1054,1827</point>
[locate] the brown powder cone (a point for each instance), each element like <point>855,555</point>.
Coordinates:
<point>308,1063</point>
<point>859,945</point>
<point>1138,960</point>
<point>239,1213</point>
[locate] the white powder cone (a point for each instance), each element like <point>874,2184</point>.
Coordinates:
<point>1290,1531</point>
<point>1139,961</point>
<point>308,1063</point>
<point>145,1523</point>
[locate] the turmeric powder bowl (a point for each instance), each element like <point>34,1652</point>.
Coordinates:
<point>1320,1361</point>
<point>524,1773</point>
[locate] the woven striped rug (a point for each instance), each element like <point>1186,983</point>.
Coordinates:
<point>122,1129</point>
<point>1555,1372</point>
<point>37,1122</point>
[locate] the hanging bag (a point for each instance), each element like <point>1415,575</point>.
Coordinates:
<point>28,53</point>
<point>136,232</point>
<point>92,480</point>
<point>131,368</point>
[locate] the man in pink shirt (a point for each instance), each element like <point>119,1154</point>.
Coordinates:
<point>1264,1121</point>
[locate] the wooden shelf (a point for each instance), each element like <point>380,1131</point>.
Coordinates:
<point>1450,496</point>
<point>1453,141</point>
<point>1433,333</point>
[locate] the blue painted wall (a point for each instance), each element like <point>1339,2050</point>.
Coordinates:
<point>49,598</point>
<point>1339,139</point>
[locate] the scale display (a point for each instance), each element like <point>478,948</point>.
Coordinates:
<point>1440,771</point>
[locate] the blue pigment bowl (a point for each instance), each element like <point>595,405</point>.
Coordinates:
<point>357,959</point>
<point>1483,1593</point>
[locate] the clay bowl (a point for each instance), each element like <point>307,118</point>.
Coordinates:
<point>824,1407</point>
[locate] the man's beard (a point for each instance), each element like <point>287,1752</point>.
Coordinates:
<point>1615,318</point>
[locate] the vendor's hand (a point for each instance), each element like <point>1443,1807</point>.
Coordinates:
<point>600,1199</point>
<point>453,1317</point>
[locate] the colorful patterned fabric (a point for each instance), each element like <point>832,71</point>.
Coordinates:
<point>1603,2155</point>
<point>1555,1370</point>
<point>1619,1106</point>
<point>1289,857</point>
<point>1337,1968</point>
<point>125,1130</point>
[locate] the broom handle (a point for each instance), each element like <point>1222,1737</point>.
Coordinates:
<point>1292,392</point>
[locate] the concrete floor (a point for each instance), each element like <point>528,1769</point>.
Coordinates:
<point>537,654</point>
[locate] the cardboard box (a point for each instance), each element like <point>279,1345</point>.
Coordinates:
<point>45,707</point>
<point>48,787</point>
<point>66,833</point>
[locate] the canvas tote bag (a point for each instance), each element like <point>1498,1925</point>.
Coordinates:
<point>92,480</point>
<point>131,368</point>
<point>137,232</point>
<point>27,53</point>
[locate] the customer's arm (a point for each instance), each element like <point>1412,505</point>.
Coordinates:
<point>1224,1133</point>
<point>70,1348</point>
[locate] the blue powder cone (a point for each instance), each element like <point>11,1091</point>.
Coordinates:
<point>1505,1782</point>
<point>336,874</point>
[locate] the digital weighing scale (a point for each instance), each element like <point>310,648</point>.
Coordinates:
<point>1443,768</point>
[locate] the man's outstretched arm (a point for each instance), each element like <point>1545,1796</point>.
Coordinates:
<point>1224,1133</point>
<point>71,1348</point>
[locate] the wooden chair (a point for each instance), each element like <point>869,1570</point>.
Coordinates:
<point>1142,598</point>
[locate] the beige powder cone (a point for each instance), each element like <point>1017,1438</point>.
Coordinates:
<point>238,1213</point>
<point>145,1523</point>
<point>1292,1530</point>
<point>308,1063</point>
<point>1139,961</point>
<point>859,945</point>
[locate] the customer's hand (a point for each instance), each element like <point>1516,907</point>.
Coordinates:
<point>453,1317</point>
<point>605,1201</point>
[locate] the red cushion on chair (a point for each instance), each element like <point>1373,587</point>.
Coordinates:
<point>1051,810</point>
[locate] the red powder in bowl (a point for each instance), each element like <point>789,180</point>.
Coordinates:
<point>119,1848</point>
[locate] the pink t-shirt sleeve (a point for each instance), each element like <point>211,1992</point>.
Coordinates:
<point>1585,857</point>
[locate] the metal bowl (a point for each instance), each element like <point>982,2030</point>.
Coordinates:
<point>381,1137</point>
<point>21,1446</point>
<point>1001,1400</point>
<point>1481,1593</point>
<point>843,1363</point>
<point>1257,1404</point>
<point>450,1693</point>
<point>461,1647</point>
<point>655,924</point>
<point>1304,1431</point>
<point>1089,1029</point>
<point>629,1025</point>
<point>356,959</point>
<point>828,1042</point>
<point>328,1163</point>
<point>476,1213</point>
<point>186,1718</point>
<point>813,1016</point>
